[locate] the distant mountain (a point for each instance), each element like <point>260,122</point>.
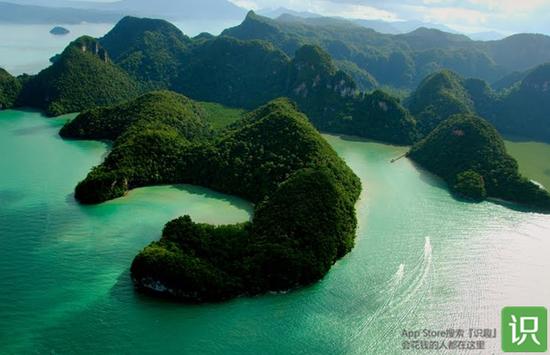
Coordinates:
<point>30,14</point>
<point>400,27</point>
<point>486,36</point>
<point>428,38</point>
<point>71,12</point>
<point>275,13</point>
<point>402,60</point>
<point>179,9</point>
<point>380,26</point>
<point>519,52</point>
<point>389,27</point>
<point>167,9</point>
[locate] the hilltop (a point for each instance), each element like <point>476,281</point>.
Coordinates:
<point>143,54</point>
<point>521,111</point>
<point>438,97</point>
<point>401,60</point>
<point>469,154</point>
<point>82,76</point>
<point>109,123</point>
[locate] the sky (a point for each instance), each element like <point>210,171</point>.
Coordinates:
<point>470,16</point>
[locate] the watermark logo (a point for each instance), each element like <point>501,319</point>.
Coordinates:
<point>524,329</point>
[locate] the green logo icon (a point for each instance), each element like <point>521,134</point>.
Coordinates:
<point>524,329</point>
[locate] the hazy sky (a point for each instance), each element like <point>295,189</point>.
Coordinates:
<point>505,16</point>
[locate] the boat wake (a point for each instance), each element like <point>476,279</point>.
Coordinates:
<point>401,296</point>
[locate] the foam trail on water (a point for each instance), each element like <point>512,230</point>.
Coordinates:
<point>390,291</point>
<point>412,297</point>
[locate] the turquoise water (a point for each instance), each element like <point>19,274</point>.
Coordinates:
<point>28,48</point>
<point>422,260</point>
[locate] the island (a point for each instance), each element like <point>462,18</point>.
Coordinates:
<point>469,154</point>
<point>59,31</point>
<point>304,194</point>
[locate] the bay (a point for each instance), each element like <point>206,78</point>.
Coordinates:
<point>422,260</point>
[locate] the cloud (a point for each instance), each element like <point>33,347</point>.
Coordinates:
<point>347,9</point>
<point>451,15</point>
<point>510,6</point>
<point>328,8</point>
<point>247,4</point>
<point>477,15</point>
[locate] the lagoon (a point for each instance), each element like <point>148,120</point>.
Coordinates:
<point>422,260</point>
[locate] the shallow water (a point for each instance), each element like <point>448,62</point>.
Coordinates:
<point>28,48</point>
<point>533,158</point>
<point>422,259</point>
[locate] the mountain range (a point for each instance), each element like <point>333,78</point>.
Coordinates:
<point>401,60</point>
<point>140,55</point>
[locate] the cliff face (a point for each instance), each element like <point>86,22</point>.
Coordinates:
<point>81,77</point>
<point>312,73</point>
<point>91,45</point>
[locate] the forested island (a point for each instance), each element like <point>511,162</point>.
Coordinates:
<point>304,194</point>
<point>469,154</point>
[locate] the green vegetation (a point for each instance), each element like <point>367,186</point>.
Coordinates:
<point>82,77</point>
<point>377,116</point>
<point>521,111</point>
<point>525,110</point>
<point>304,195</point>
<point>469,154</point>
<point>10,88</point>
<point>399,61</point>
<point>143,54</point>
<point>249,73</point>
<point>471,185</point>
<point>331,99</point>
<point>365,81</point>
<point>219,116</point>
<point>438,97</point>
<point>164,107</point>
<point>149,50</point>
<point>232,72</point>
<point>296,235</point>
